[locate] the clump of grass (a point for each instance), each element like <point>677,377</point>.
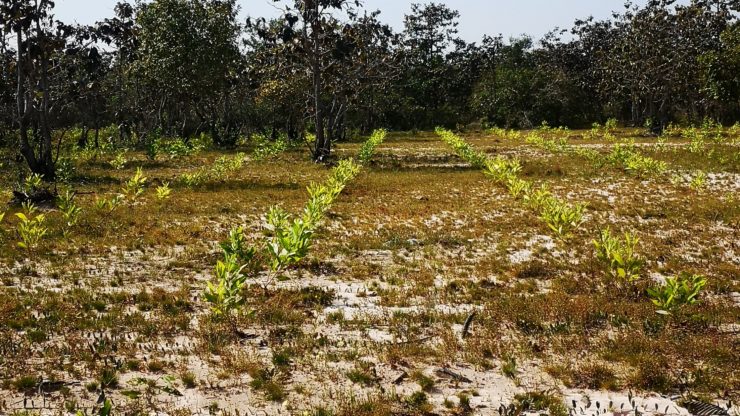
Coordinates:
<point>539,402</point>
<point>188,379</point>
<point>26,383</point>
<point>652,374</point>
<point>595,377</point>
<point>362,374</point>
<point>283,357</point>
<point>420,401</point>
<point>266,382</point>
<point>509,368</point>
<point>425,382</point>
<point>108,378</point>
<point>155,366</point>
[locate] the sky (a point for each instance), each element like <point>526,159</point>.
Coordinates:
<point>477,17</point>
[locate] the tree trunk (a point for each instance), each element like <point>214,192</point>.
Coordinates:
<point>322,148</point>
<point>23,110</point>
<point>45,146</point>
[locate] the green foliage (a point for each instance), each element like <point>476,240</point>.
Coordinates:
<point>287,241</point>
<point>699,181</point>
<point>109,204</point>
<point>225,296</point>
<point>626,155</point>
<point>134,187</point>
<point>236,246</point>
<point>106,409</point>
<point>677,292</point>
<point>189,50</point>
<point>65,169</point>
<point>193,179</point>
<point>176,147</point>
<point>164,191</point>
<point>32,183</point>
<point>462,149</point>
<point>619,255</point>
<point>591,155</point>
<point>509,368</point>
<point>266,148</point>
<point>539,402</point>
<point>368,148</point>
<point>69,209</point>
<point>552,145</point>
<point>290,240</point>
<point>518,187</point>
<point>119,162</point>
<point>537,198</point>
<point>510,134</point>
<point>561,217</point>
<point>31,227</point>
<point>502,170</point>
<point>610,125</point>
<point>697,139</point>
<point>221,169</point>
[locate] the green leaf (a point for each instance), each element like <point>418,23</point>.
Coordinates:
<point>131,394</point>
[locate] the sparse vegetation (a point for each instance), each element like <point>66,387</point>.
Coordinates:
<point>206,216</point>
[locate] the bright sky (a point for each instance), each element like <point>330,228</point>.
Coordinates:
<point>477,17</point>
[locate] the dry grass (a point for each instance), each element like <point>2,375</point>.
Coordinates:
<point>364,326</point>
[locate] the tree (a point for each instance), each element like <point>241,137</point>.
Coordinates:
<point>40,43</point>
<point>187,61</point>
<point>507,94</point>
<point>7,93</point>
<point>334,61</point>
<point>429,31</point>
<point>721,69</point>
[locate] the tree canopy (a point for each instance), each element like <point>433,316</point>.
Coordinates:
<point>332,67</point>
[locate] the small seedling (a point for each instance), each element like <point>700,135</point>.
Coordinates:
<point>225,296</point>
<point>699,181</point>
<point>31,227</point>
<point>678,291</point>
<point>164,191</point>
<point>134,187</point>
<point>69,209</point>
<point>561,217</point>
<point>119,162</point>
<point>619,255</point>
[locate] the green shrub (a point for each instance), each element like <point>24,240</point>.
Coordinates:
<point>31,227</point>
<point>626,156</point>
<point>164,191</point>
<point>561,217</point>
<point>619,255</point>
<point>677,292</point>
<point>462,149</point>
<point>266,148</point>
<point>134,187</point>
<point>70,211</point>
<point>368,148</point>
<point>225,296</point>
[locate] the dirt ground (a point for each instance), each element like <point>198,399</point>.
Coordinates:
<point>372,322</point>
